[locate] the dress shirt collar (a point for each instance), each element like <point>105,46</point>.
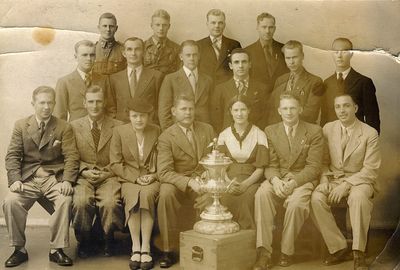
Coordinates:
<point>155,41</point>
<point>188,72</point>
<point>45,121</point>
<point>83,74</point>
<point>349,129</point>
<point>267,43</point>
<point>245,81</point>
<point>294,128</point>
<point>106,43</point>
<point>99,122</point>
<point>344,73</point>
<point>219,39</point>
<point>184,129</point>
<point>137,69</point>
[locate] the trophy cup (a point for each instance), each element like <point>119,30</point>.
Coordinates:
<point>215,219</point>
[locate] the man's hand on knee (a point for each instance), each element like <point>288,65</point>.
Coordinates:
<point>279,187</point>
<point>339,192</point>
<point>17,186</point>
<point>66,188</point>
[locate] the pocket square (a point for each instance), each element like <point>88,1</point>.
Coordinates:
<point>56,142</point>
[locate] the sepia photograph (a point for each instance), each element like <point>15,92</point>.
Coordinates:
<point>200,134</point>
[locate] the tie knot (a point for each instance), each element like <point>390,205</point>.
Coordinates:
<point>290,131</point>
<point>133,72</point>
<point>340,76</point>
<point>95,124</point>
<point>42,125</point>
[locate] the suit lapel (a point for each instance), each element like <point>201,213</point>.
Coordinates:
<point>79,82</point>
<point>33,130</point>
<point>298,142</point>
<point>301,82</point>
<point>184,83</point>
<point>223,51</point>
<point>283,140</point>
<point>211,52</point>
<point>48,133</point>
<point>86,131</point>
<point>182,141</point>
<point>275,55</point>
<point>144,80</point>
<point>336,137</point>
<point>106,133</point>
<point>350,80</point>
<point>354,141</point>
<point>132,142</point>
<point>200,141</point>
<point>150,138</point>
<point>200,87</point>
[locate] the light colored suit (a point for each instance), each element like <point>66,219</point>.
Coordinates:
<point>70,93</point>
<point>56,154</point>
<point>176,84</point>
<point>147,88</point>
<point>303,161</point>
<point>105,196</point>
<point>358,166</point>
<point>177,162</point>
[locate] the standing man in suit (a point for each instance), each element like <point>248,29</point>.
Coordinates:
<point>109,57</point>
<point>180,148</point>
<point>70,89</point>
<point>350,171</point>
<point>134,81</point>
<point>266,53</point>
<point>347,80</point>
<point>215,48</point>
<point>41,161</point>
<point>240,84</point>
<point>295,149</point>
<point>298,81</point>
<point>161,53</point>
<point>186,81</point>
<point>97,189</point>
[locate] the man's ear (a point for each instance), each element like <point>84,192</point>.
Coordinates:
<point>173,111</point>
<point>355,108</point>
<point>230,65</point>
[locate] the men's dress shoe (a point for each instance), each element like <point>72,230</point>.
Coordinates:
<point>134,265</point>
<point>263,260</point>
<point>16,259</point>
<point>285,260</point>
<point>83,251</point>
<point>336,258</point>
<point>60,258</point>
<point>359,260</point>
<point>146,265</point>
<point>166,260</point>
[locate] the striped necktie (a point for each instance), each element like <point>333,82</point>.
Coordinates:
<point>95,134</point>
<point>88,80</point>
<point>132,82</point>
<point>217,49</point>
<point>192,80</point>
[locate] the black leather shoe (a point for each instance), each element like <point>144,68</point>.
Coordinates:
<point>285,260</point>
<point>134,265</point>
<point>166,260</point>
<point>16,259</point>
<point>60,258</point>
<point>263,261</point>
<point>359,260</point>
<point>147,265</point>
<point>336,258</point>
<point>83,251</point>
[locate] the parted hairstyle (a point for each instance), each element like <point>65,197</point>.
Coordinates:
<point>84,42</point>
<point>265,15</point>
<point>161,13</point>
<point>293,44</point>
<point>215,12</point>
<point>240,98</point>
<point>345,95</point>
<point>134,39</point>
<point>43,89</point>
<point>184,98</point>
<point>237,51</point>
<point>188,43</point>
<point>289,95</point>
<point>346,40</point>
<point>94,89</point>
<point>108,15</point>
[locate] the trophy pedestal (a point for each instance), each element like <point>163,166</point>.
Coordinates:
<point>216,227</point>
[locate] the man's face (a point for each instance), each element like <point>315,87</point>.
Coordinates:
<point>345,110</point>
<point>94,104</point>
<point>290,110</point>
<point>190,57</point>
<point>240,112</point>
<point>341,55</point>
<point>294,59</point>
<point>43,104</point>
<point>184,112</point>
<point>266,29</point>
<point>138,120</point>
<point>107,28</point>
<point>85,57</point>
<point>160,27</point>
<point>133,52</point>
<point>240,65</point>
<point>216,25</point>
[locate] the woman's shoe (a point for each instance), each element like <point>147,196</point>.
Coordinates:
<point>134,263</point>
<point>146,265</point>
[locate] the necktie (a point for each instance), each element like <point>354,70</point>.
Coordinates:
<point>95,134</point>
<point>268,59</point>
<point>42,129</point>
<point>344,140</point>
<point>241,87</point>
<point>189,135</point>
<point>192,80</point>
<point>290,85</point>
<point>88,80</point>
<point>132,82</point>
<point>290,137</point>
<point>217,49</point>
<point>340,83</point>
<point>159,46</point>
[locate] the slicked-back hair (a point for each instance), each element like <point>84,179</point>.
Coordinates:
<point>289,95</point>
<point>188,43</point>
<point>237,51</point>
<point>85,42</point>
<point>344,95</point>
<point>240,98</point>
<point>161,13</point>
<point>179,98</point>
<point>346,40</point>
<point>215,12</point>
<point>43,89</point>
<point>108,15</point>
<point>94,89</point>
<point>265,15</point>
<point>293,44</point>
<point>134,39</point>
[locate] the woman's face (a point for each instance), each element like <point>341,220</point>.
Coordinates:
<point>139,120</point>
<point>240,112</point>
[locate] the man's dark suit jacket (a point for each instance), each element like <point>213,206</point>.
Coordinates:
<point>55,152</point>
<point>219,69</point>
<point>70,93</point>
<point>147,88</point>
<point>224,92</point>
<point>176,84</point>
<point>259,69</point>
<point>362,89</point>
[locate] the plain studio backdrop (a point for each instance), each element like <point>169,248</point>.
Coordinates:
<point>31,56</point>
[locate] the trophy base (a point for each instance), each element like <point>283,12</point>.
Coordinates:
<point>216,227</point>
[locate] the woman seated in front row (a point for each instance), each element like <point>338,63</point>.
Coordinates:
<point>133,160</point>
<point>246,145</point>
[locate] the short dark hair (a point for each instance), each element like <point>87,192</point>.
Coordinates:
<point>289,95</point>
<point>240,98</point>
<point>292,44</point>
<point>161,13</point>
<point>108,15</point>
<point>263,16</point>
<point>188,43</point>
<point>346,40</point>
<point>134,39</point>
<point>94,89</point>
<point>345,95</point>
<point>215,12</point>
<point>84,42</point>
<point>43,89</point>
<point>183,98</point>
<point>237,51</point>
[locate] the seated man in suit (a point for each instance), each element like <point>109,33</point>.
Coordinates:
<point>295,149</point>
<point>70,89</point>
<point>161,53</point>
<point>347,80</point>
<point>298,81</point>
<point>96,190</point>
<point>186,81</point>
<point>41,161</point>
<point>351,166</point>
<point>180,148</point>
<point>266,53</point>
<point>215,48</point>
<point>109,57</point>
<point>134,81</point>
<point>239,84</point>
